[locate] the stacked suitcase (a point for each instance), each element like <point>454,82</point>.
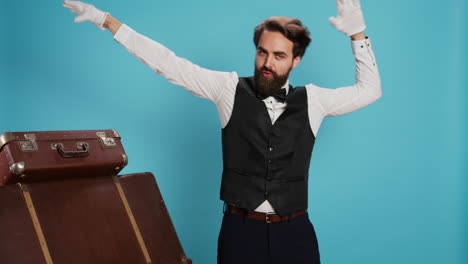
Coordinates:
<point>62,201</point>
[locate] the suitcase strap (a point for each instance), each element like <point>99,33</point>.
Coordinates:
<point>37,225</point>
<point>136,230</point>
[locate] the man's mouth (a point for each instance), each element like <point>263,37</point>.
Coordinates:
<point>267,73</point>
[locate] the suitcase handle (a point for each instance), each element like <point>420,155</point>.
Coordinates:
<point>73,154</point>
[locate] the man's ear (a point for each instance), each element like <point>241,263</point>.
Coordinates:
<point>296,61</point>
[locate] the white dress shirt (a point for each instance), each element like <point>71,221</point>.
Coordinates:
<point>220,87</point>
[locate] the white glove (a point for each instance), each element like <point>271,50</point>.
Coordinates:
<point>350,19</point>
<point>86,12</point>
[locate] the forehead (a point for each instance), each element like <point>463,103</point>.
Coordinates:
<point>274,41</point>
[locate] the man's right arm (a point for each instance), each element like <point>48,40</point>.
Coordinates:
<point>112,24</point>
<point>197,80</point>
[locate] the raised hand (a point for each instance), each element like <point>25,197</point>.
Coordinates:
<point>350,19</point>
<point>86,12</point>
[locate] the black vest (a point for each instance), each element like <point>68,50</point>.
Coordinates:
<point>264,161</point>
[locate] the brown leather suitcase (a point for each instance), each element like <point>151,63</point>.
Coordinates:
<point>85,218</point>
<point>35,156</point>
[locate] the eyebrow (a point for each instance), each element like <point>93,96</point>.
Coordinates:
<point>274,52</point>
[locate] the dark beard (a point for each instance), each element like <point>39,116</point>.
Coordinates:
<point>269,86</point>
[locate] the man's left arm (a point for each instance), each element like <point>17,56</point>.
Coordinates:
<point>367,88</point>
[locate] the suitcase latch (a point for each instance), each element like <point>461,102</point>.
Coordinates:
<point>29,145</point>
<point>106,141</point>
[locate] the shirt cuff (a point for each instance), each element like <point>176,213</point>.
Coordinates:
<point>362,45</point>
<point>123,33</point>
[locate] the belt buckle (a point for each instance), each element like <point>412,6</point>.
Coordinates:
<point>267,220</point>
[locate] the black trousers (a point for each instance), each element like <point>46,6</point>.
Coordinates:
<point>243,241</point>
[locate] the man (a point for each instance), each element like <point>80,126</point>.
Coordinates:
<point>269,128</point>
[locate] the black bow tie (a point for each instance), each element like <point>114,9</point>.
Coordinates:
<point>279,95</point>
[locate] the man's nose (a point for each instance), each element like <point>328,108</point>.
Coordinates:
<point>268,62</point>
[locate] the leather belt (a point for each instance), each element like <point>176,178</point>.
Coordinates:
<point>267,217</point>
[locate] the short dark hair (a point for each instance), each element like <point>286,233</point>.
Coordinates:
<point>291,28</point>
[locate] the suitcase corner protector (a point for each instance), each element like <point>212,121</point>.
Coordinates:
<point>5,138</point>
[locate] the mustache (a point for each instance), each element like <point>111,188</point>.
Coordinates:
<point>267,69</point>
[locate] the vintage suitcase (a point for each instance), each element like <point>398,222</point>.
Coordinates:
<point>35,156</point>
<point>85,218</point>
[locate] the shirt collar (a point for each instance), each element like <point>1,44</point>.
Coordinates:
<point>286,86</point>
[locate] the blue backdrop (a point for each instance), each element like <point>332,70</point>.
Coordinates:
<point>388,184</point>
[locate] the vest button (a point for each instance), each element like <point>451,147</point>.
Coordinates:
<point>269,161</point>
<point>266,194</point>
<point>271,149</point>
<point>269,179</point>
